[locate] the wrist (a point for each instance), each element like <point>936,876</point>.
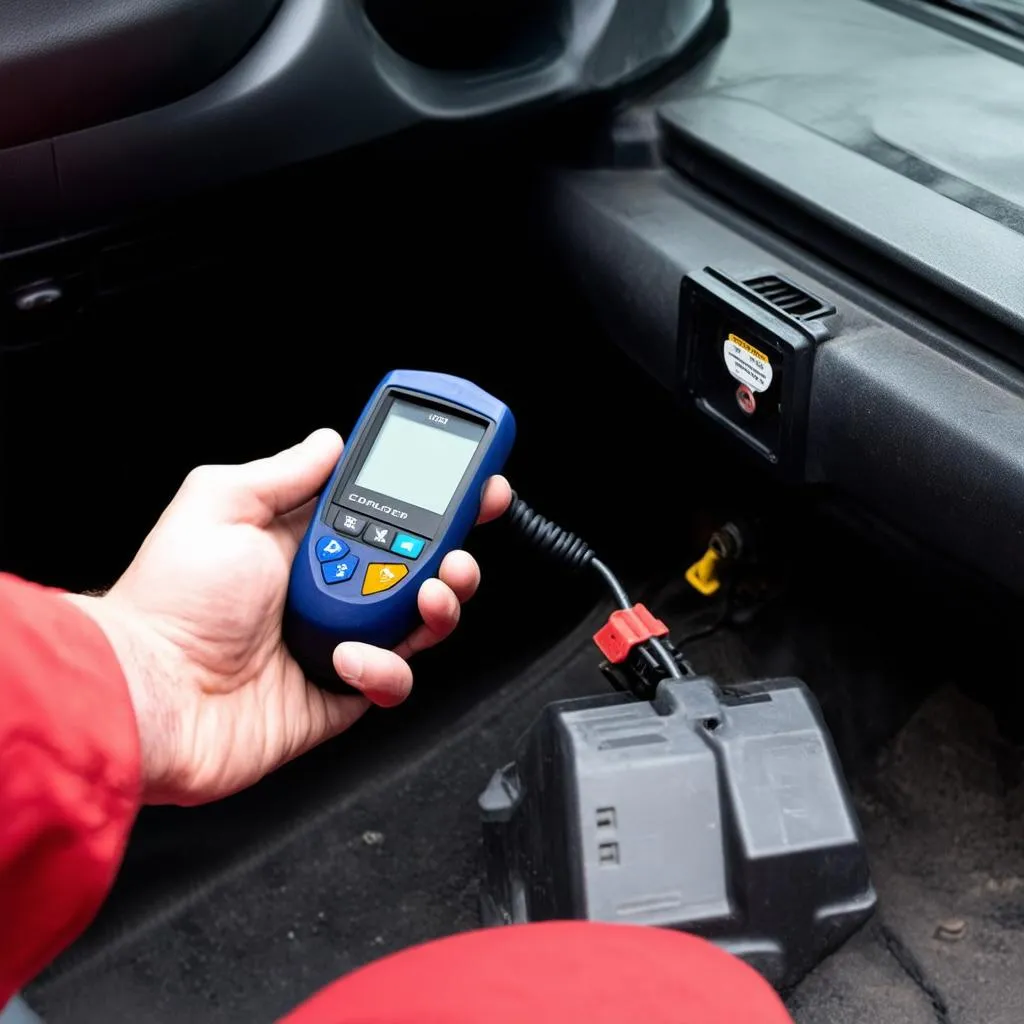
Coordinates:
<point>145,662</point>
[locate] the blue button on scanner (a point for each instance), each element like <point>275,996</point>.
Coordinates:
<point>339,571</point>
<point>408,545</point>
<point>328,549</point>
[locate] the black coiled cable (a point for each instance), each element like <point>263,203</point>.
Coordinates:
<point>551,538</point>
<point>574,552</point>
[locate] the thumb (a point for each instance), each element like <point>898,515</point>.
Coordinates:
<point>289,479</point>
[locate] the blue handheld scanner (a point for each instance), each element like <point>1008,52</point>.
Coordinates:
<point>405,492</point>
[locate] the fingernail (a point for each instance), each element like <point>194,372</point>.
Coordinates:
<point>349,663</point>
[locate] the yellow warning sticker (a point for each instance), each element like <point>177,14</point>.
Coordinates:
<point>755,352</point>
<point>747,364</point>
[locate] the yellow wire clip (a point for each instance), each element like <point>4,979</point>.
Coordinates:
<point>703,574</point>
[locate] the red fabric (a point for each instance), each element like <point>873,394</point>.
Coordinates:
<point>70,780</point>
<point>563,972</point>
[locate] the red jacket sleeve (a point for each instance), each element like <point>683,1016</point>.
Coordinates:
<point>69,775</point>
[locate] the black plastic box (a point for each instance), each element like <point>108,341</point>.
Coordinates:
<point>719,813</point>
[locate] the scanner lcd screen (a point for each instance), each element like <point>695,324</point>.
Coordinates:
<point>420,455</point>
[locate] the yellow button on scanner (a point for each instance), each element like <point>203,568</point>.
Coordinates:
<point>382,576</point>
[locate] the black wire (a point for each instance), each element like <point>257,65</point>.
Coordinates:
<point>613,582</point>
<point>567,547</point>
<point>664,655</point>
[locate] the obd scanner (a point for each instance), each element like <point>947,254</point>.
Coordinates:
<point>405,492</point>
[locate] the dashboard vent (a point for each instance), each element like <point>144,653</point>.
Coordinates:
<point>787,297</point>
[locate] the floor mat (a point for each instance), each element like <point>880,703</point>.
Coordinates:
<point>942,815</point>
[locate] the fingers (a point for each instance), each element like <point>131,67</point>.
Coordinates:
<point>384,676</point>
<point>459,570</point>
<point>381,676</point>
<point>331,714</point>
<point>440,602</point>
<point>285,481</point>
<point>496,498</point>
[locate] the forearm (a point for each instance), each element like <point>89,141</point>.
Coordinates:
<point>69,775</point>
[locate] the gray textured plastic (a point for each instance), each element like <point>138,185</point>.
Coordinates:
<point>893,214</point>
<point>725,815</point>
<point>320,80</point>
<point>65,66</point>
<point>884,155</point>
<point>920,427</point>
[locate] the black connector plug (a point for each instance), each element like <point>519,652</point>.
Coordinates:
<point>642,672</point>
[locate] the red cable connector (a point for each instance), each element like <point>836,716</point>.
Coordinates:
<point>625,629</point>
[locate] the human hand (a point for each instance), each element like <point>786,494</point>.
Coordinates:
<point>196,624</point>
